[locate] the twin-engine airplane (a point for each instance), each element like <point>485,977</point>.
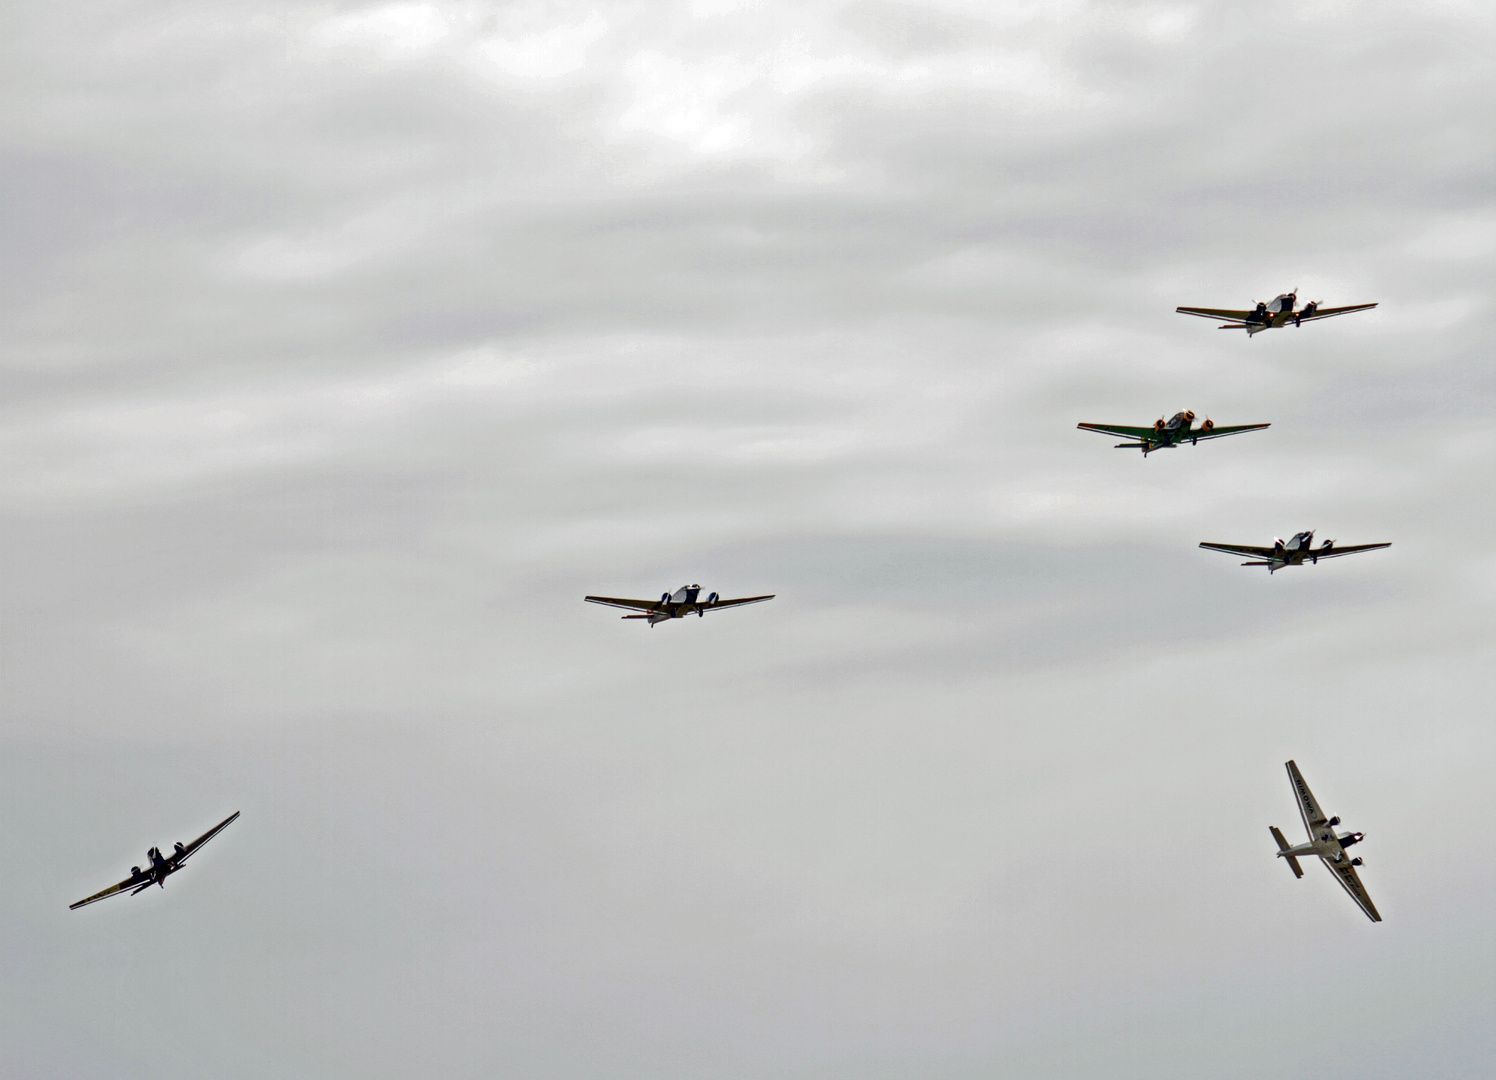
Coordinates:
<point>678,605</point>
<point>1324,842</point>
<point>1296,552</point>
<point>161,867</point>
<point>1269,316</point>
<point>1167,434</point>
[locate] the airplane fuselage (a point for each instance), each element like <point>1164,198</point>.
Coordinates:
<point>1279,313</point>
<point>1170,433</point>
<point>1296,551</point>
<point>1327,844</point>
<point>684,601</point>
<point>159,868</point>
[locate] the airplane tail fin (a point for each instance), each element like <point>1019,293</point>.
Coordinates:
<point>1283,845</point>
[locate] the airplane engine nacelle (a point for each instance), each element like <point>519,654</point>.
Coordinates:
<point>1357,862</point>
<point>712,599</point>
<point>664,598</point>
<point>134,871</point>
<point>1190,416</point>
<point>181,847</point>
<point>1208,425</point>
<point>1159,424</point>
<point>1333,821</point>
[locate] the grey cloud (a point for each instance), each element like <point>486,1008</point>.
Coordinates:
<point>345,357</point>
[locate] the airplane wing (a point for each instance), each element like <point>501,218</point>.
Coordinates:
<point>113,890</point>
<point>187,852</point>
<point>1308,809</point>
<point>611,601</point>
<point>1214,313</point>
<point>740,601</point>
<point>1121,432</point>
<point>1218,432</point>
<point>1350,881</point>
<point>1349,549</point>
<point>1242,549</point>
<point>1325,313</point>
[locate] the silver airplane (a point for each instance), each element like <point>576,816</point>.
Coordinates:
<point>1325,842</point>
<point>1167,434</point>
<point>1295,552</point>
<point>160,868</point>
<point>684,601</point>
<point>1269,316</point>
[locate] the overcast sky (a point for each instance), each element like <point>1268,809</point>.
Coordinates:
<point>346,347</point>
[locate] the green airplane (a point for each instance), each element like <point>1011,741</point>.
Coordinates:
<point>1167,434</point>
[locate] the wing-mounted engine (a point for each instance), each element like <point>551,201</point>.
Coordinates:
<point>134,871</point>
<point>1160,424</point>
<point>1189,415</point>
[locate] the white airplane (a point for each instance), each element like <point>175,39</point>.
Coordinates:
<point>1295,552</point>
<point>1268,316</point>
<point>675,605</point>
<point>1324,842</point>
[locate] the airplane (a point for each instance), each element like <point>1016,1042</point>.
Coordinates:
<point>1324,842</point>
<point>675,606</point>
<point>1268,316</point>
<point>1296,552</point>
<point>1167,434</point>
<point>161,867</point>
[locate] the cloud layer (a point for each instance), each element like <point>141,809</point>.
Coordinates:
<point>348,346</point>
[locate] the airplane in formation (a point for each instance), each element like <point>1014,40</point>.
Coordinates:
<point>1296,552</point>
<point>684,601</point>
<point>1167,434</point>
<point>1324,842</point>
<point>161,867</point>
<point>1270,316</point>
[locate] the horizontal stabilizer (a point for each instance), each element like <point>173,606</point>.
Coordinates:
<point>1283,845</point>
